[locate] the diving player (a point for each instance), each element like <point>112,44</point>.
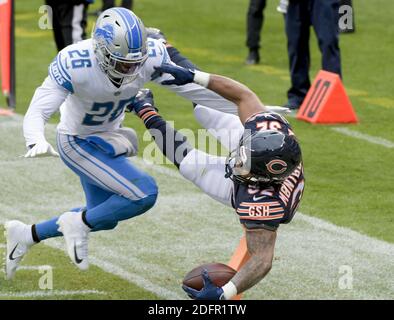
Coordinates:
<point>92,82</point>
<point>262,178</point>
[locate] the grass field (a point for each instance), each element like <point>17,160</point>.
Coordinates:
<point>347,219</point>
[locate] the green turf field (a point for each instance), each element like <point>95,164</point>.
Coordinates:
<point>349,177</point>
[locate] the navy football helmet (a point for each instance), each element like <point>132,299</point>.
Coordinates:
<point>263,157</point>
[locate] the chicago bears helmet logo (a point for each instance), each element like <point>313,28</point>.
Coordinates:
<point>276,166</point>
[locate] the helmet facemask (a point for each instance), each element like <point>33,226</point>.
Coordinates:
<point>119,70</point>
<point>238,167</point>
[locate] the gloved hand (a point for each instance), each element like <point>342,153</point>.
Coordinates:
<point>182,76</point>
<point>209,292</point>
<point>41,149</point>
<point>143,99</point>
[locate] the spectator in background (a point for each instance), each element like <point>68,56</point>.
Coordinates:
<point>323,16</point>
<point>128,4</point>
<point>69,21</point>
<point>255,19</point>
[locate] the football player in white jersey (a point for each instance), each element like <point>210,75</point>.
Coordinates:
<point>92,82</point>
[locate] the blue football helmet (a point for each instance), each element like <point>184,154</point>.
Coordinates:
<point>119,41</point>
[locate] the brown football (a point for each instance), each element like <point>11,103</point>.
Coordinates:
<point>219,273</point>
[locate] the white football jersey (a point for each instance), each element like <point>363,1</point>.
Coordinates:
<point>89,102</point>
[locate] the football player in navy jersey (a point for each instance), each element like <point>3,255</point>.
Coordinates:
<point>262,178</point>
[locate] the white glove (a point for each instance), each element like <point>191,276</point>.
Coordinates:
<point>41,149</point>
<point>278,109</point>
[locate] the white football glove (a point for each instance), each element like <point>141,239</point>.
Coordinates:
<point>41,149</point>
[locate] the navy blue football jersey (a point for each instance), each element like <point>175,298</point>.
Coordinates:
<point>269,206</point>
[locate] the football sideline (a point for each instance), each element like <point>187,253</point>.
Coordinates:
<point>187,228</point>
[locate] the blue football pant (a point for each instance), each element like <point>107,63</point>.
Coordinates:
<point>114,188</point>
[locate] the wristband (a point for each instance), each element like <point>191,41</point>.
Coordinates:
<point>201,78</point>
<point>229,290</point>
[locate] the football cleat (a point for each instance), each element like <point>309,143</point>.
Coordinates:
<point>76,235</point>
<point>19,240</point>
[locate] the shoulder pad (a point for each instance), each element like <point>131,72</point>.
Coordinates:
<point>157,52</point>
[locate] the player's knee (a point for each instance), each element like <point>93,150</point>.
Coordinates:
<point>150,186</point>
<point>149,202</point>
<point>107,225</point>
<point>138,207</point>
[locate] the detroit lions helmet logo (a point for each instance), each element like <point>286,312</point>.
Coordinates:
<point>106,32</point>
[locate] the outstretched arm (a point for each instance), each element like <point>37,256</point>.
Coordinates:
<point>261,244</point>
<point>246,100</point>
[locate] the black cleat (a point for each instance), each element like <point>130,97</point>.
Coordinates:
<point>253,57</point>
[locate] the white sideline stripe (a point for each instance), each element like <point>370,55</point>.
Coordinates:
<point>362,136</point>
<point>358,135</point>
<point>2,245</point>
<point>48,293</point>
<point>124,274</point>
<point>112,269</point>
<point>379,246</point>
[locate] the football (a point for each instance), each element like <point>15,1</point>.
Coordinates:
<point>219,273</point>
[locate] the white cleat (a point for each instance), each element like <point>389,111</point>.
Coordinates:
<point>76,235</point>
<point>19,240</point>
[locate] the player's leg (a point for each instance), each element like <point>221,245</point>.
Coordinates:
<point>208,173</point>
<point>115,190</point>
<point>225,127</point>
<point>20,236</point>
<point>94,196</point>
<point>133,193</point>
<point>204,170</point>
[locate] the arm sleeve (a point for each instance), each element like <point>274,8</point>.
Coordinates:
<point>195,92</point>
<point>46,101</point>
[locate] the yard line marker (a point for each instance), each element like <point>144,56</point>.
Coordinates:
<point>358,135</point>
<point>140,281</point>
<point>366,137</point>
<point>48,293</point>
